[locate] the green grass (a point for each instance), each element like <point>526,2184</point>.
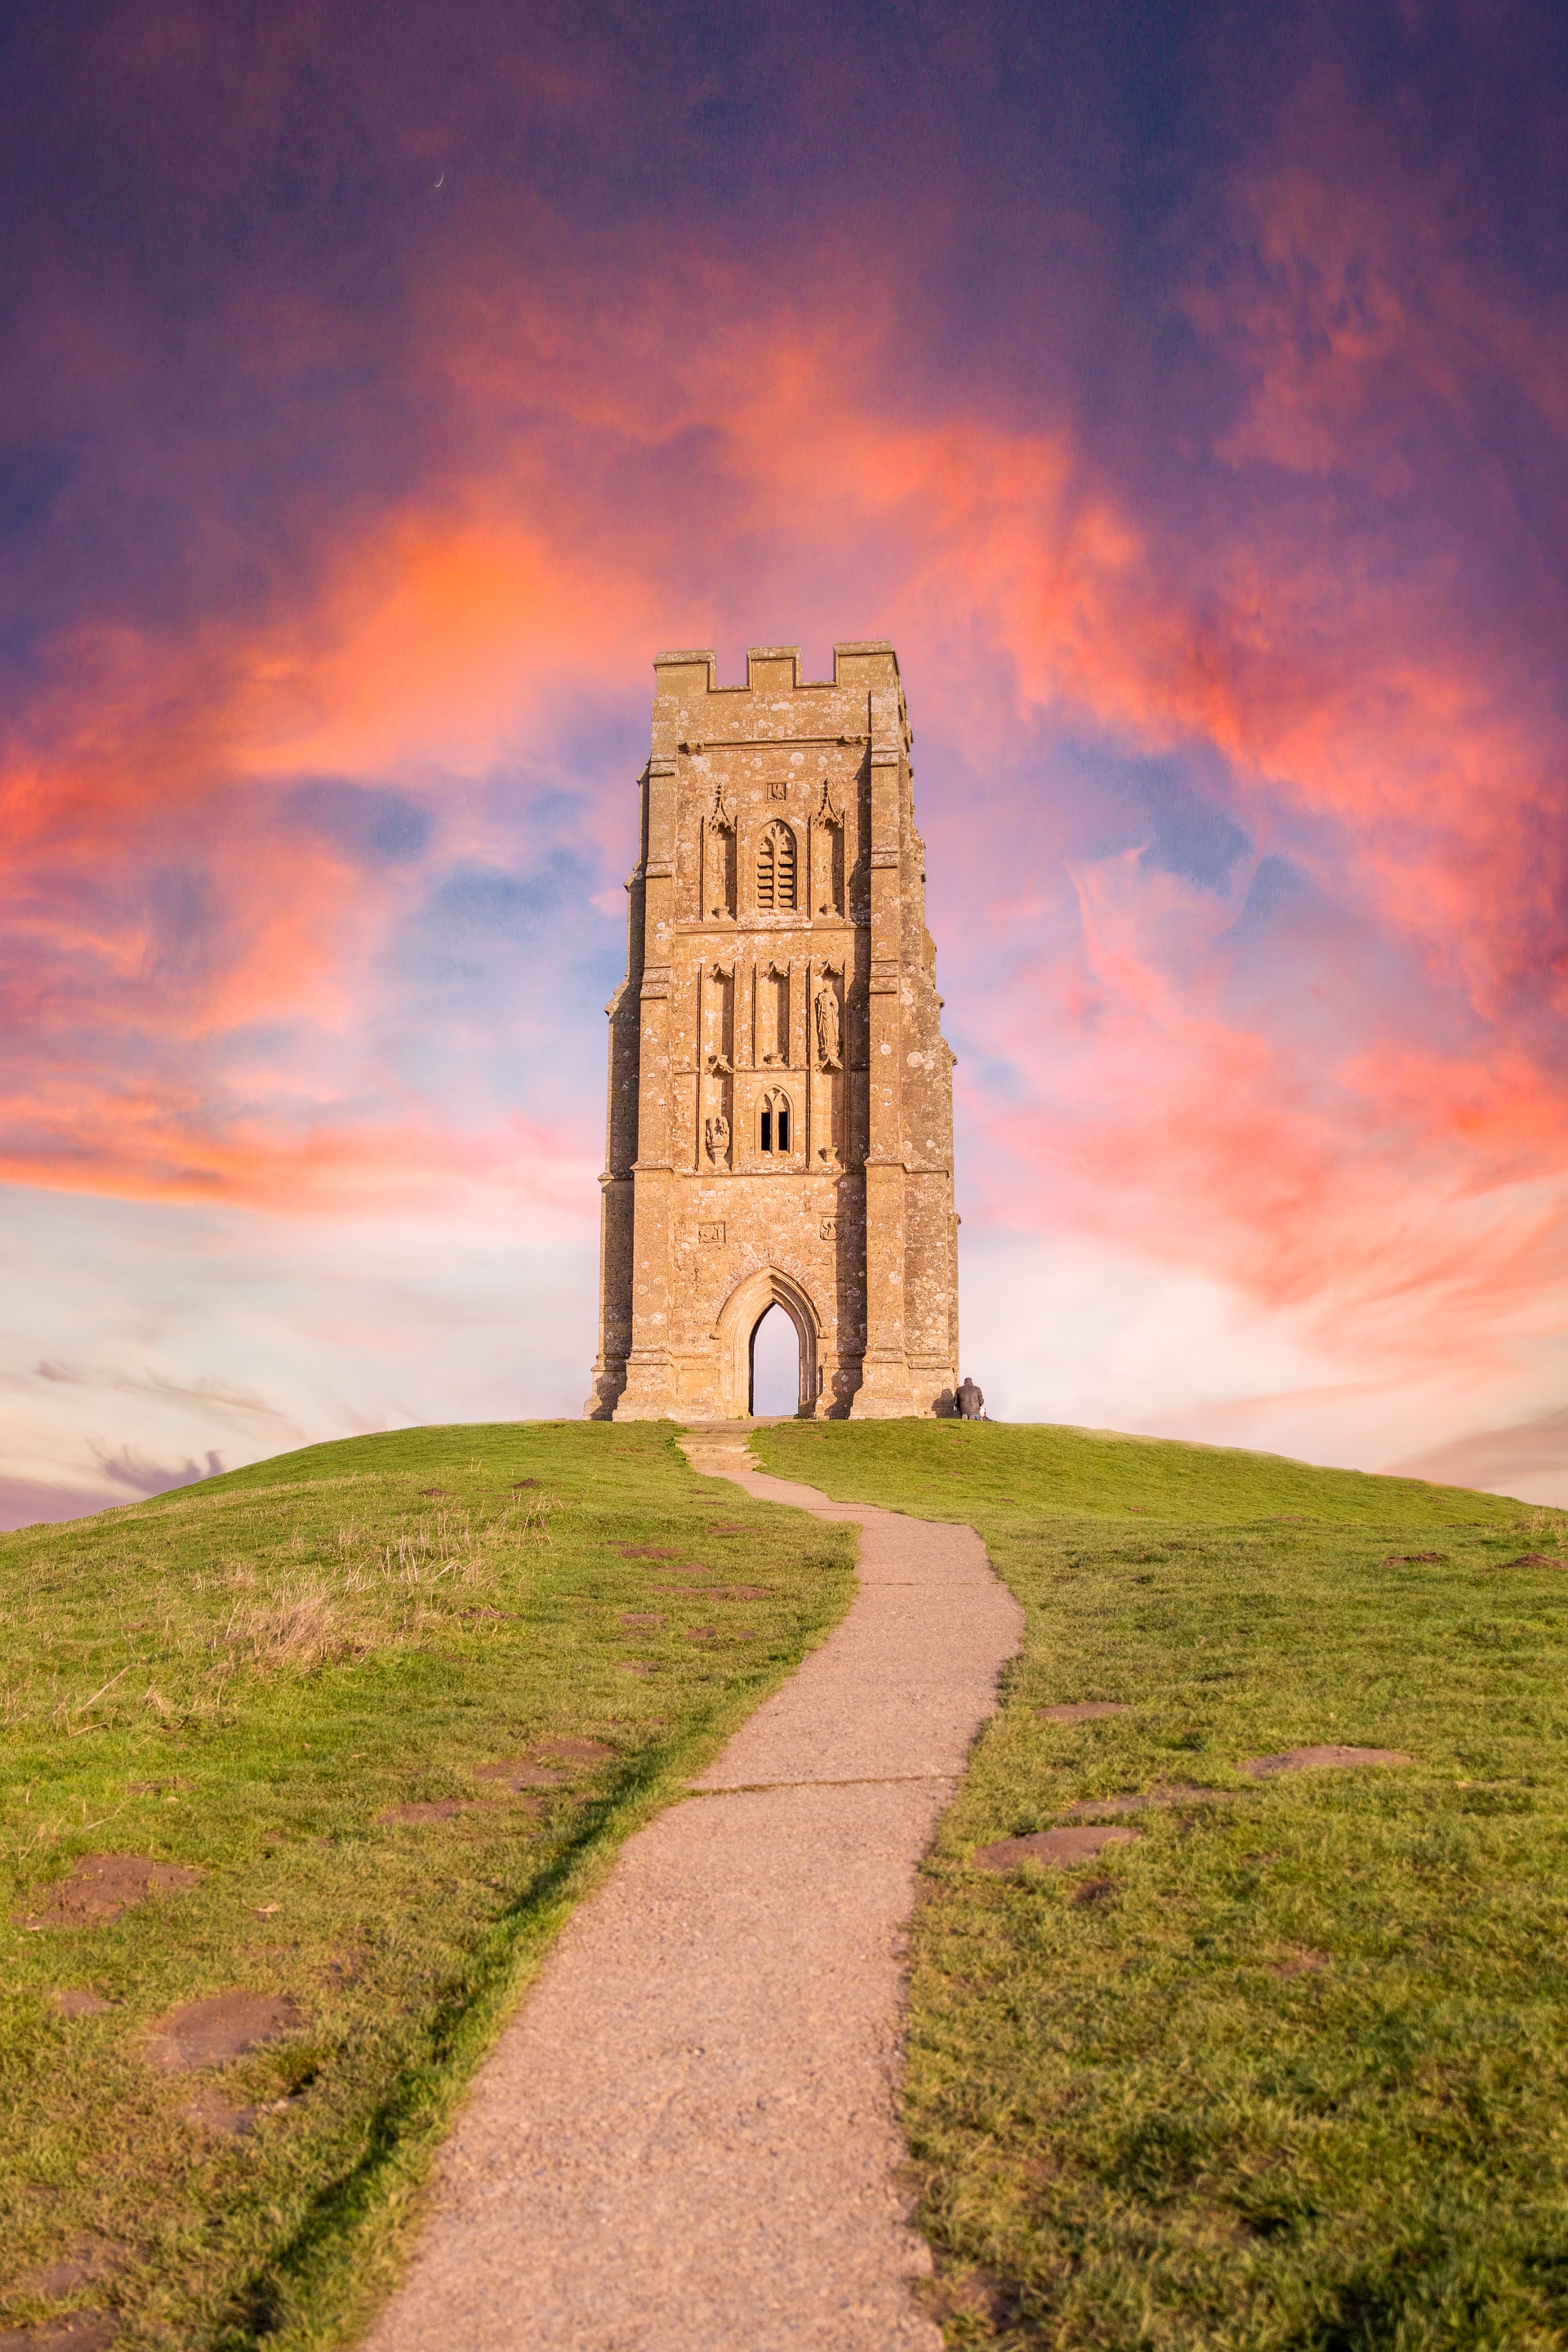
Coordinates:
<point>1139,2119</point>
<point>241,1677</point>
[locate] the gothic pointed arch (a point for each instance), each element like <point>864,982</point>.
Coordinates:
<point>744,1308</point>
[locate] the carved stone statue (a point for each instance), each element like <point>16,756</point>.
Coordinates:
<point>716,1139</point>
<point>827,1026</point>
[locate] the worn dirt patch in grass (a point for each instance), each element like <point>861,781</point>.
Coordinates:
<point>520,1773</point>
<point>1331,1758</point>
<point>568,1750</point>
<point>1297,1960</point>
<point>216,2031</point>
<point>90,2261</point>
<point>98,1886</point>
<point>80,2331</point>
<point>1058,1849</point>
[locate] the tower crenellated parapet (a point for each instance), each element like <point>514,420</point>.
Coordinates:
<point>779,1127</point>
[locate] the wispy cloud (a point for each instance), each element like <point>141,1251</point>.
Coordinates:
<point>125,1466</point>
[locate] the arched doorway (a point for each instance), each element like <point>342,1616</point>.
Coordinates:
<point>775,1364</point>
<point>739,1322</point>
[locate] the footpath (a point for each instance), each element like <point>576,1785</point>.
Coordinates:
<point>686,2139</point>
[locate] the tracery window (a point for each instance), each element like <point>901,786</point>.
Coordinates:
<point>775,870</point>
<point>772,1129</point>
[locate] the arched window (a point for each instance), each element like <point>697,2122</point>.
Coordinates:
<point>773,1127</point>
<point>775,870</point>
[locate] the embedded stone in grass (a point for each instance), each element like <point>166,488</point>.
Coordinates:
<point>80,2331</point>
<point>1321,1759</point>
<point>225,2026</point>
<point>1083,1806</point>
<point>438,1809</point>
<point>1058,1848</point>
<point>80,2000</point>
<point>100,1887</point>
<point>1083,1710</point>
<point>517,1773</point>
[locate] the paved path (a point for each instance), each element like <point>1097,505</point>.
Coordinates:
<point>687,2141</point>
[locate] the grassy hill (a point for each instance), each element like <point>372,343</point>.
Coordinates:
<point>1291,2070</point>
<point>1288,2072</point>
<point>378,1713</point>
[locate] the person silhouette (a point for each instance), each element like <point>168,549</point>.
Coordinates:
<point>970,1401</point>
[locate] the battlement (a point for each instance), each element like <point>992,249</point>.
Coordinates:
<point>861,662</point>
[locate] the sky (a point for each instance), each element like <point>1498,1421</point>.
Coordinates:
<point>1184,390</point>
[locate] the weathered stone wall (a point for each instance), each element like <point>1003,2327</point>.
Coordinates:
<point>780,1120</point>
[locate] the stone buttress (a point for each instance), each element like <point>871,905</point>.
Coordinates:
<point>779,1122</point>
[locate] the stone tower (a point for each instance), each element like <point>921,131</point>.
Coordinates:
<point>780,1090</point>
